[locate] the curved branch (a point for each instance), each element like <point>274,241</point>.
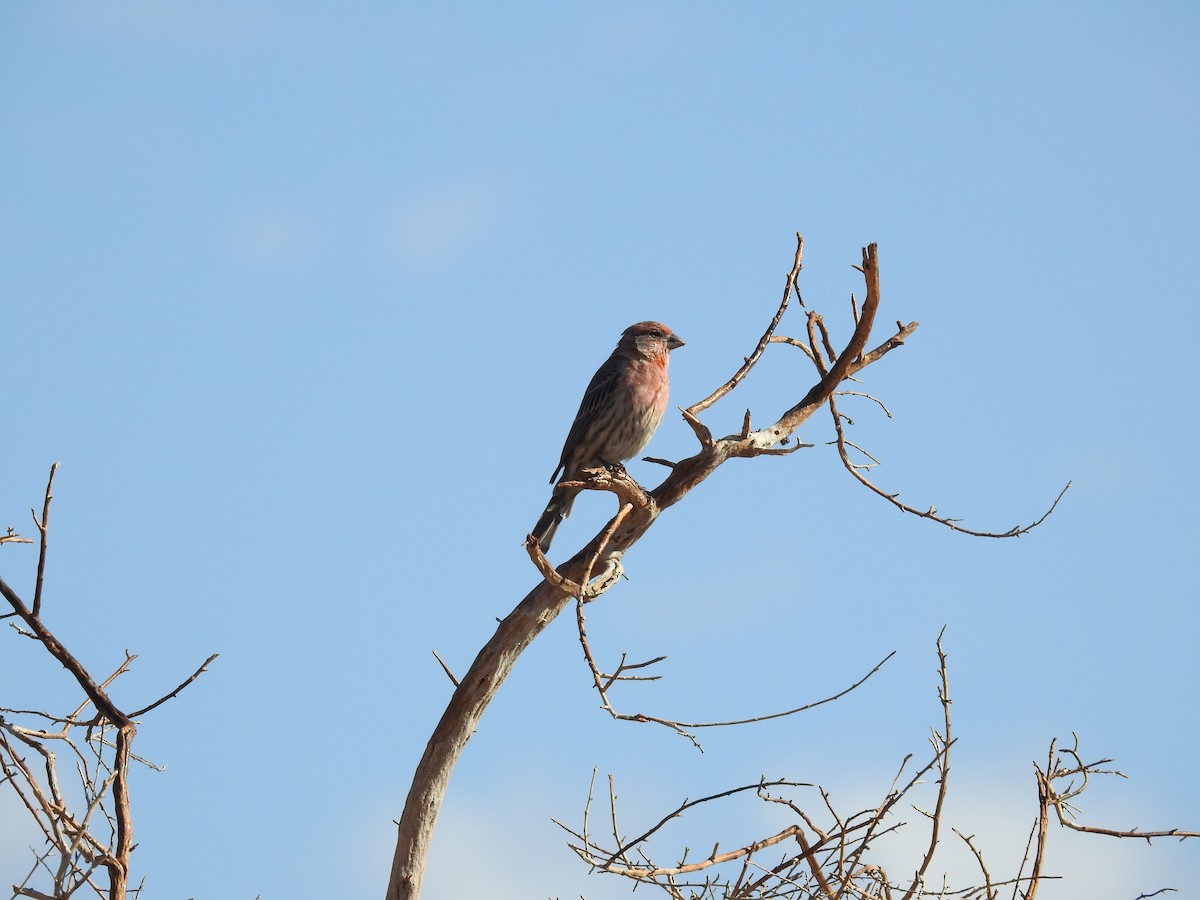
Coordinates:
<point>603,682</point>
<point>738,376</point>
<point>1060,801</point>
<point>638,510</point>
<point>161,700</point>
<point>930,513</point>
<point>541,605</point>
<point>473,694</point>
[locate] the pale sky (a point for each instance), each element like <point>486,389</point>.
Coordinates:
<point>304,296</point>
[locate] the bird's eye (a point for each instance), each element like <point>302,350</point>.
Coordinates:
<point>656,333</point>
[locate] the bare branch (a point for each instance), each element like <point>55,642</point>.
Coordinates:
<point>832,859</point>
<point>569,588</point>
<point>931,512</point>
<point>11,537</point>
<point>780,339</point>
<point>603,683</point>
<point>688,804</point>
<point>446,668</point>
<point>1060,800</point>
<point>738,376</point>
<point>43,528</point>
<point>987,877</point>
<point>100,699</point>
<point>161,700</point>
<point>76,839</point>
<point>636,513</point>
<point>941,745</point>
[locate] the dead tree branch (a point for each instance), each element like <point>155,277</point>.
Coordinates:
<point>102,757</point>
<point>1066,767</point>
<point>931,513</point>
<point>833,854</point>
<point>638,510</point>
<point>43,528</point>
<point>603,682</point>
<point>830,857</point>
<point>941,745</point>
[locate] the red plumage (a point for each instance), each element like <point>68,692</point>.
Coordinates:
<point>621,409</point>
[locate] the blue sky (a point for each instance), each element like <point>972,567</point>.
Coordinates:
<point>303,297</point>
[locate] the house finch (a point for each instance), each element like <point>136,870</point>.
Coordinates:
<point>621,408</point>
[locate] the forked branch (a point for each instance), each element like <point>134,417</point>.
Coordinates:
<point>101,758</point>
<point>1066,776</point>
<point>828,853</point>
<point>835,855</point>
<point>637,511</point>
<point>603,683</point>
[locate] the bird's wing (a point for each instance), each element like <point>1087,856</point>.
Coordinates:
<point>598,394</point>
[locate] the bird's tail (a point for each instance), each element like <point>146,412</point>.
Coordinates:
<point>557,509</point>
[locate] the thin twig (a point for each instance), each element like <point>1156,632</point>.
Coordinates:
<point>753,358</point>
<point>445,668</point>
<point>942,744</point>
<point>43,528</point>
<point>161,700</point>
<point>931,513</point>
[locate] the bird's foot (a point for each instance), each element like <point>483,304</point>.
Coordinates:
<point>616,468</point>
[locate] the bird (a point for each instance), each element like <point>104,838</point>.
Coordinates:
<point>620,411</point>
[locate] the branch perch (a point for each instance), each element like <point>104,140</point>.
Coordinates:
<point>638,510</point>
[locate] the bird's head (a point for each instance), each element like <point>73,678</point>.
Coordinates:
<point>652,340</point>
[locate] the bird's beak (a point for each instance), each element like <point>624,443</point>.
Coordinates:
<point>674,341</point>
